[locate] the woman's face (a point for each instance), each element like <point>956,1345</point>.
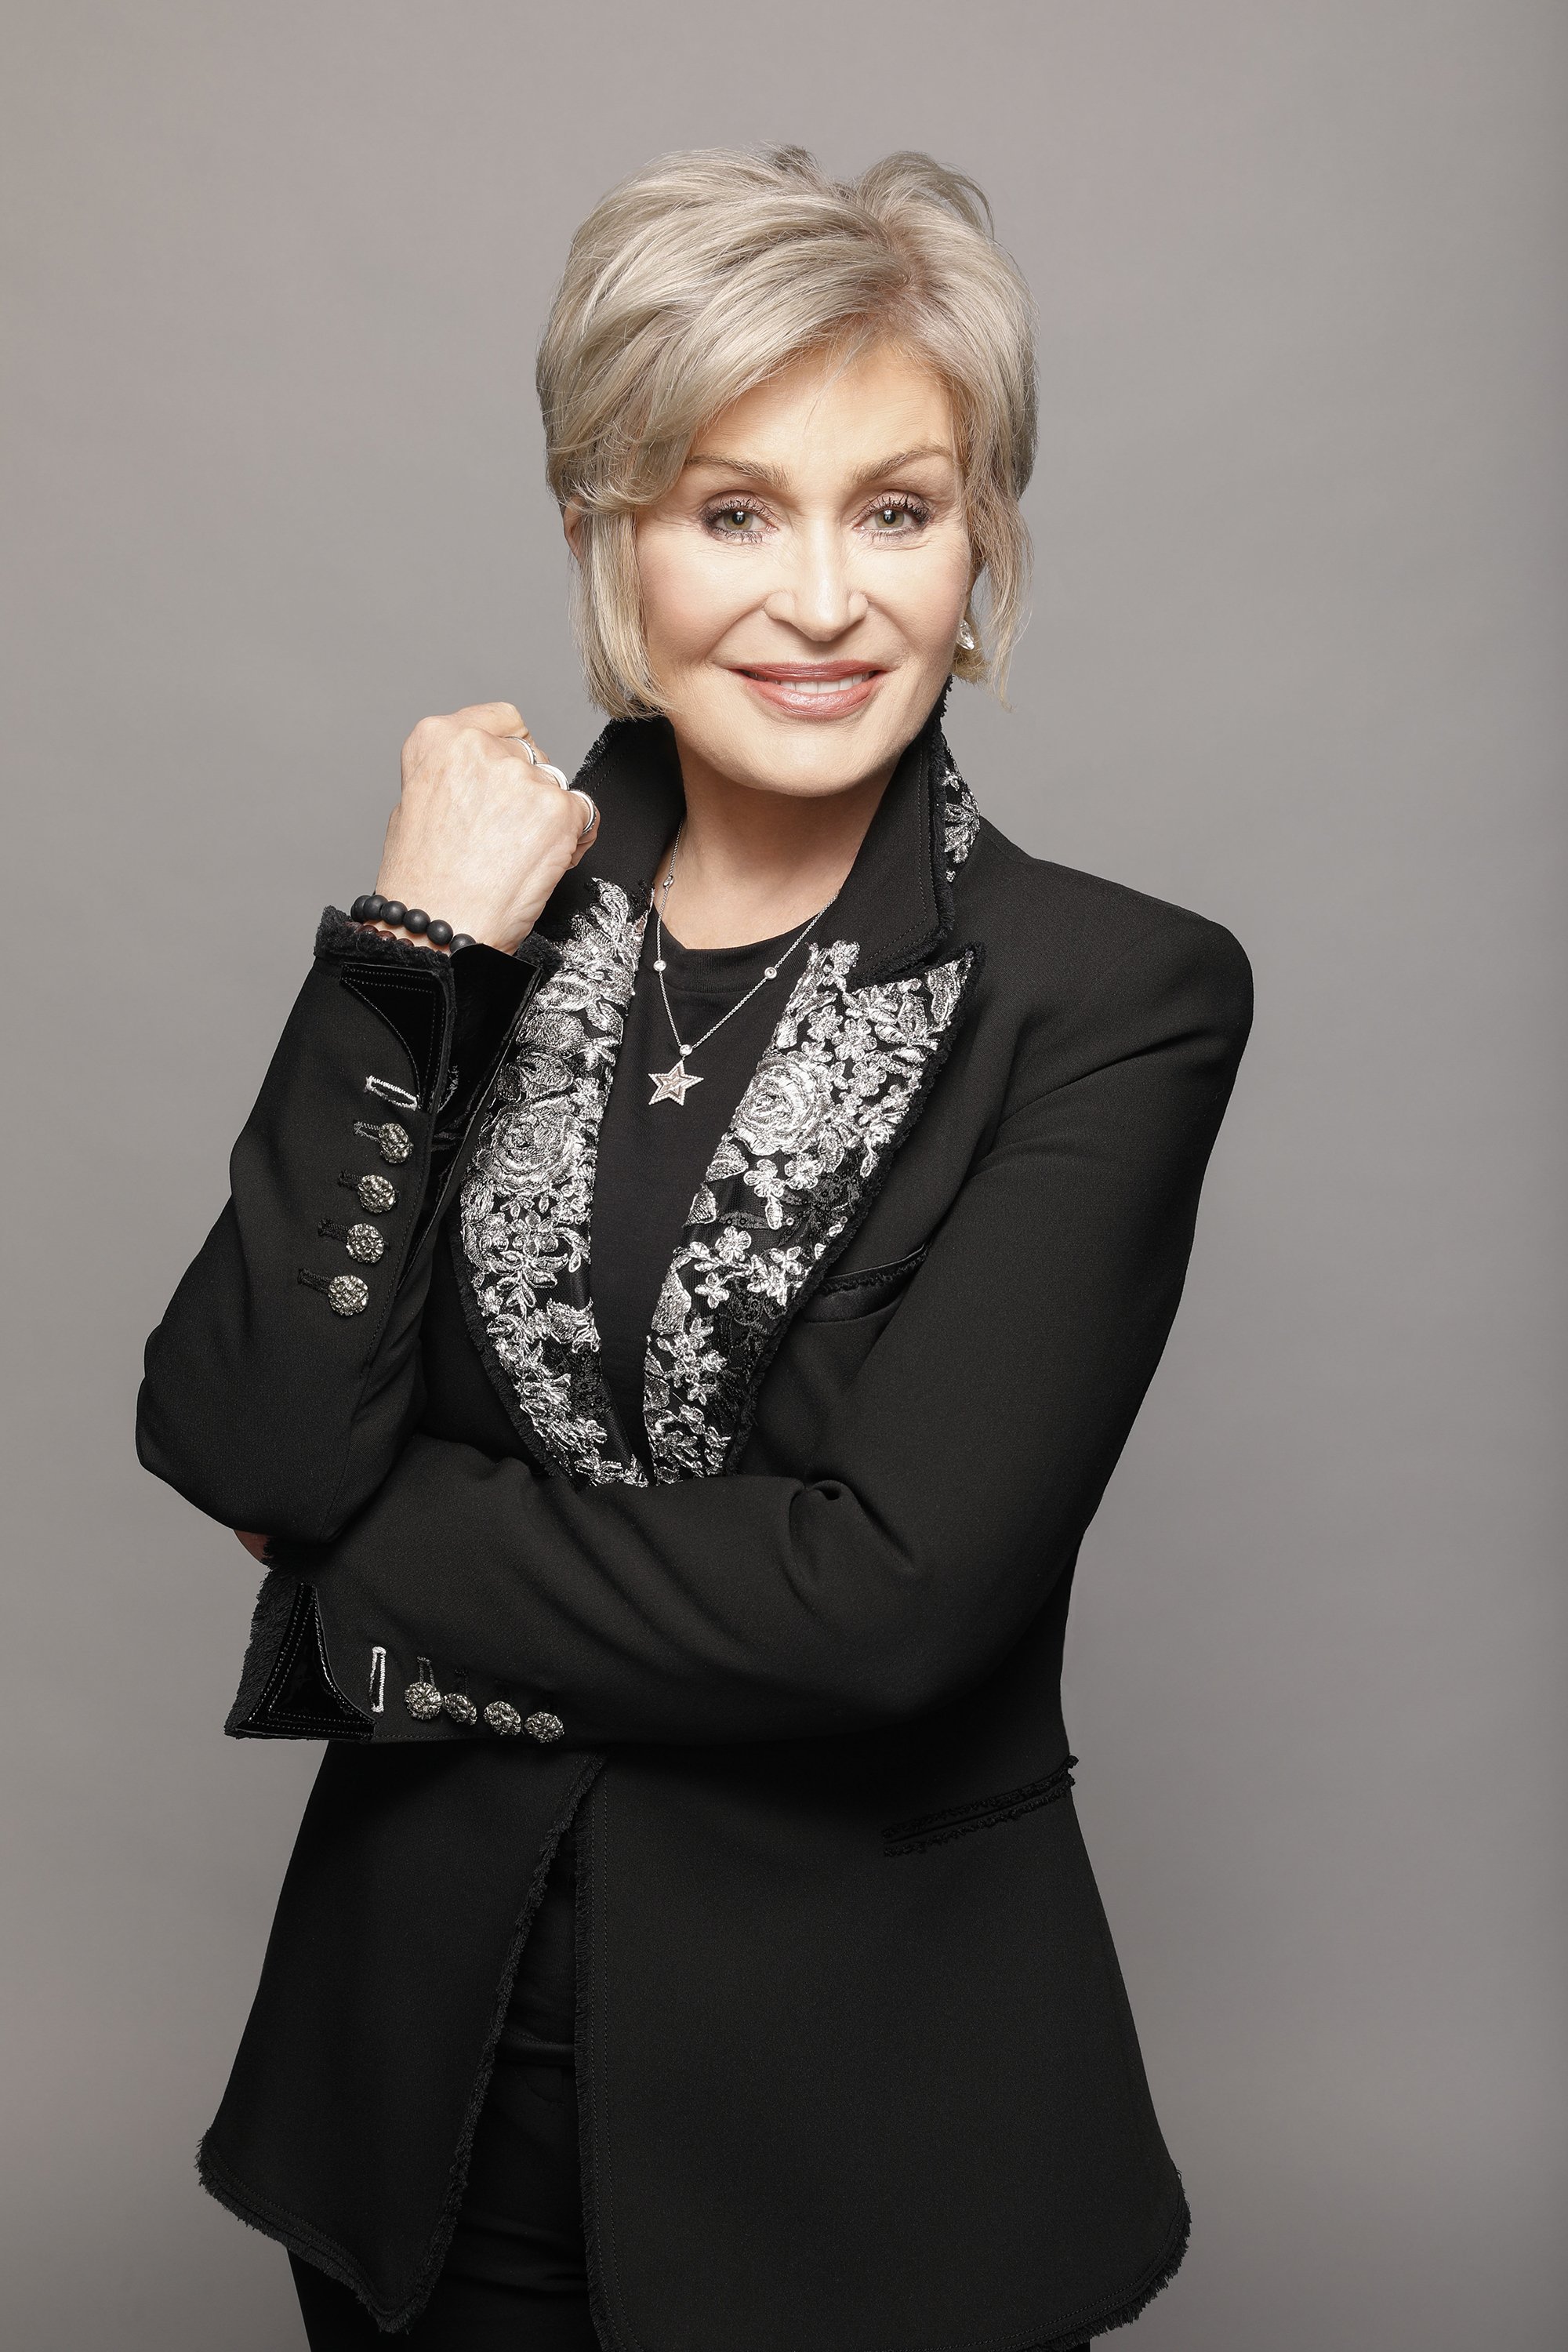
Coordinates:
<point>803,581</point>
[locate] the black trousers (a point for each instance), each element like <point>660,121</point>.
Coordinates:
<point>515,2278</point>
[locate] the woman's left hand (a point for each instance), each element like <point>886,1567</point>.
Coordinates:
<point>255,1545</point>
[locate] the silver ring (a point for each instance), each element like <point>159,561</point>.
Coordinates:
<point>545,769</point>
<point>578,793</point>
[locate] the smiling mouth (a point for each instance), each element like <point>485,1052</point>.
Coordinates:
<point>828,689</point>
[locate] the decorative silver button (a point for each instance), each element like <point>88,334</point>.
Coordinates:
<point>377,1193</point>
<point>544,1726</point>
<point>503,1718</point>
<point>347,1294</point>
<point>460,1708</point>
<point>391,1138</point>
<point>422,1699</point>
<point>366,1243</point>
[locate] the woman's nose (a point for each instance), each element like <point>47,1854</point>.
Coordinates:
<point>815,595</point>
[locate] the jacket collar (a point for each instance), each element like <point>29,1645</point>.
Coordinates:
<point>897,900</point>
<point>845,1074</point>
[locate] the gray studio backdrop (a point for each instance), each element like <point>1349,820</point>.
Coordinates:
<point>274,277</point>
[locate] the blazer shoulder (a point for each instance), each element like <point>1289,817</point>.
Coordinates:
<point>1068,936</point>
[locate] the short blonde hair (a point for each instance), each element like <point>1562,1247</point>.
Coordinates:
<point>706,273</point>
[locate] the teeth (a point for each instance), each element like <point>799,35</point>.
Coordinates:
<point>821,685</point>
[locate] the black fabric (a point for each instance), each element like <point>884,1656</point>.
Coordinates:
<point>837,2085</point>
<point>516,2272</point>
<point>653,1155</point>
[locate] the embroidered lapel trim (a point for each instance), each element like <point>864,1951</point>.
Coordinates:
<point>837,1089</point>
<point>528,1199</point>
<point>831,1099</point>
<point>842,1081</point>
<point>960,818</point>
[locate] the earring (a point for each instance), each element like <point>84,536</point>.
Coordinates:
<point>966,638</point>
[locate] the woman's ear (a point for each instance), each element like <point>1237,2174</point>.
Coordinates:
<point>572,524</point>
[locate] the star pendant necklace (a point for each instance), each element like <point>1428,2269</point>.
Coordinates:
<point>673,1085</point>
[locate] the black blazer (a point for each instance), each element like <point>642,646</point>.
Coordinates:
<point>856,2065</point>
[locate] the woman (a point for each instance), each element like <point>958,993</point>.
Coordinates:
<point>691,1271</point>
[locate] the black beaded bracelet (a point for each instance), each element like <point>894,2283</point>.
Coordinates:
<point>372,910</point>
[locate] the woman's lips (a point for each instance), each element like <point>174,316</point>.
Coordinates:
<point>813,690</point>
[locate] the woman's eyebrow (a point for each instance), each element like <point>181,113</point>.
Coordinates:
<point>752,470</point>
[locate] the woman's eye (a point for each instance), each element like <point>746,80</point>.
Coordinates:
<point>898,519</point>
<point>734,522</point>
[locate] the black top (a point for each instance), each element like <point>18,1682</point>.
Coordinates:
<point>654,1155</point>
<point>652,1158</point>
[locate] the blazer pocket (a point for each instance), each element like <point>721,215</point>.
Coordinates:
<point>843,1298</point>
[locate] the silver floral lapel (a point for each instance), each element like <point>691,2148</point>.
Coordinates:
<point>528,1198</point>
<point>831,1098</point>
<point>838,1087</point>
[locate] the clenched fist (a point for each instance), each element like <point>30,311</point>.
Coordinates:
<point>480,836</point>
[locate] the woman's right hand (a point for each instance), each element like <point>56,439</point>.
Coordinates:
<point>481,837</point>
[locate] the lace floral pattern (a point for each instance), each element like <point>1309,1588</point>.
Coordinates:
<point>830,1100</point>
<point>840,1083</point>
<point>960,817</point>
<point>529,1196</point>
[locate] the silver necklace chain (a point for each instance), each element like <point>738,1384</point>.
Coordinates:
<point>671,1086</point>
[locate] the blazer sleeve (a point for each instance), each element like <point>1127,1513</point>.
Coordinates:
<point>950,1490</point>
<point>284,1378</point>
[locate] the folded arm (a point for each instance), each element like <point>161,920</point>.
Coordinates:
<point>953,1483</point>
<point>284,1378</point>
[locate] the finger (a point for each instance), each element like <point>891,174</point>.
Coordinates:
<point>592,835</point>
<point>524,748</point>
<point>495,718</point>
<point>515,740</point>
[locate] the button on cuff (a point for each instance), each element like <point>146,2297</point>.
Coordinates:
<point>374,1191</point>
<point>345,1294</point>
<point>391,1138</point>
<point>422,1696</point>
